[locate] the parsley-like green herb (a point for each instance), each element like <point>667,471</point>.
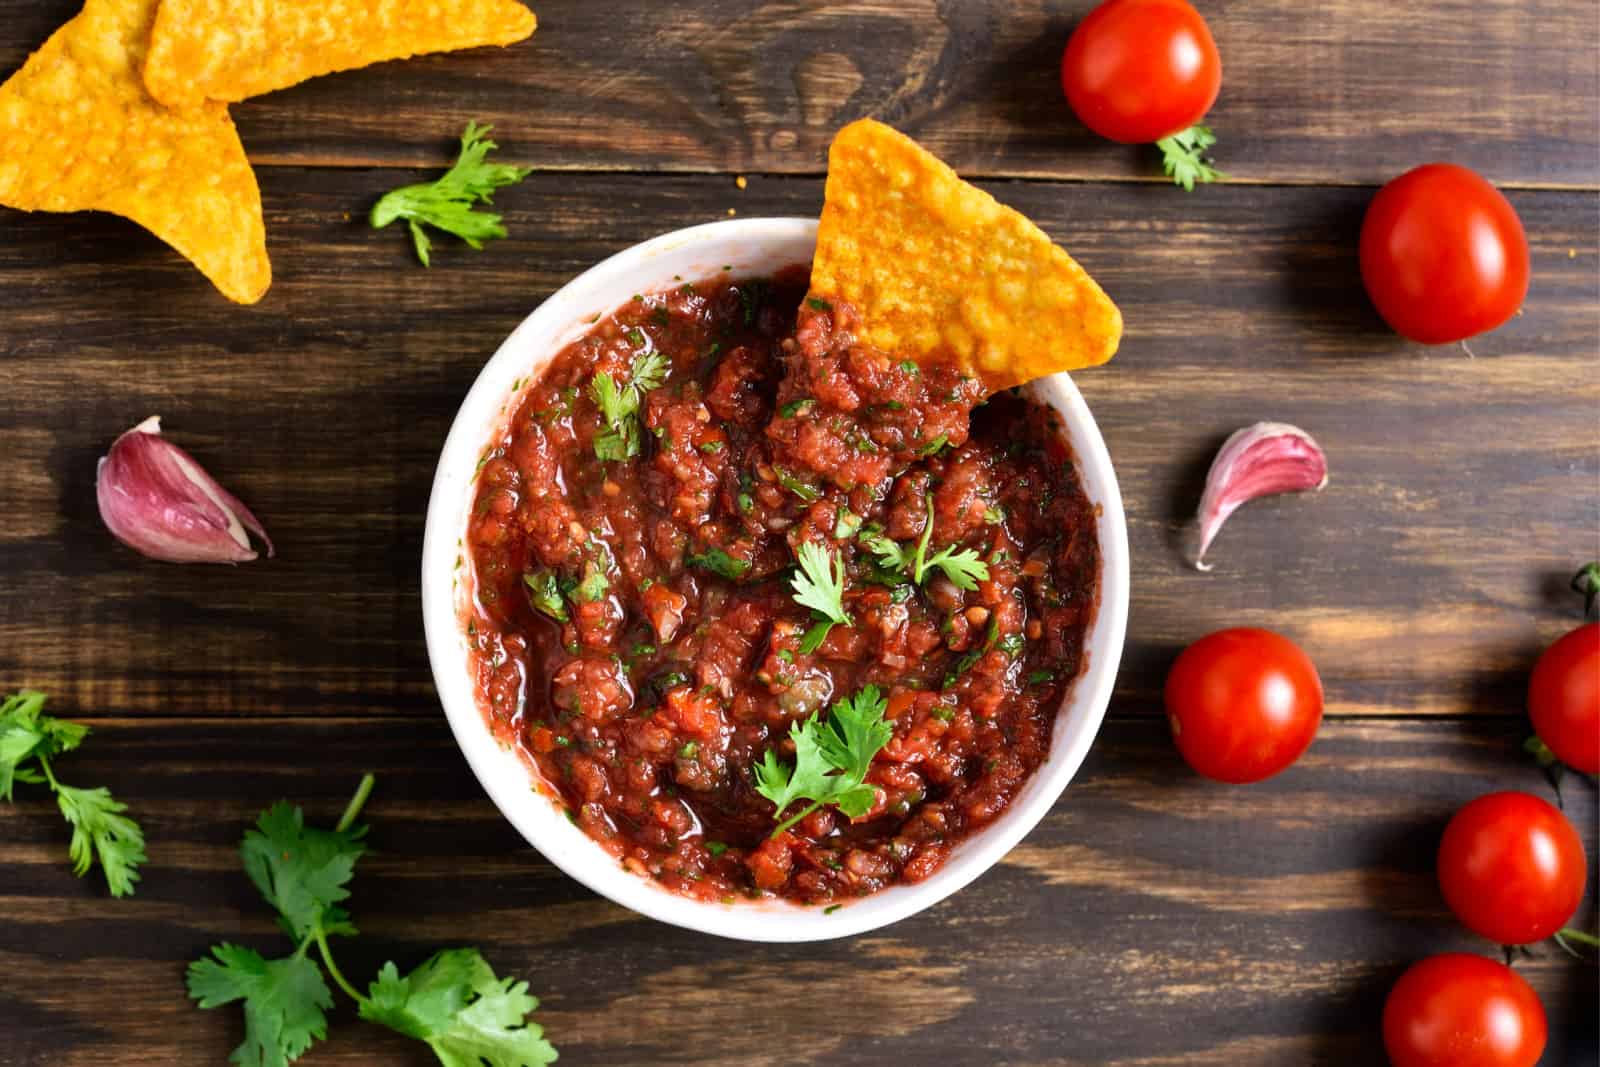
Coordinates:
<point>1038,677</point>
<point>453,1002</point>
<point>845,524</point>
<point>619,405</point>
<point>753,294</point>
<point>716,848</point>
<point>1185,158</point>
<point>963,567</point>
<point>819,585</point>
<point>934,445</point>
<point>594,584</point>
<point>818,304</point>
<point>719,562</point>
<point>805,491</point>
<point>796,407</point>
<point>101,832</point>
<point>544,593</point>
<point>966,662</point>
<point>448,203</point>
<point>831,760</point>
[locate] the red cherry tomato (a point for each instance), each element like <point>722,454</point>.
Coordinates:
<point>1136,71</point>
<point>1457,1010</point>
<point>1243,704</point>
<point>1512,868</point>
<point>1564,699</point>
<point>1443,254</point>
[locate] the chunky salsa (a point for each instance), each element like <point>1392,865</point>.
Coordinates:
<point>635,628</point>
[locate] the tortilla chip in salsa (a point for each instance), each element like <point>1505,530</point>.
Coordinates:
<point>78,132</point>
<point>229,50</point>
<point>941,272</point>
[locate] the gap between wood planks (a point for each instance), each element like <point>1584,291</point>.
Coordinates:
<point>1029,177</point>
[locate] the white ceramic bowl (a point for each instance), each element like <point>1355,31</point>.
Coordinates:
<point>751,247</point>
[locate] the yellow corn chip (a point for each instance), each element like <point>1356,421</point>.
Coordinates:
<point>232,49</point>
<point>941,272</point>
<point>78,132</point>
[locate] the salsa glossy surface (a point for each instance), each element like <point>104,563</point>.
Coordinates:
<point>635,631</point>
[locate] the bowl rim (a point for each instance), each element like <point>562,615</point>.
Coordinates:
<point>537,817</point>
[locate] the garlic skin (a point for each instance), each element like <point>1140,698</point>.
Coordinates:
<point>1257,461</point>
<point>158,501</point>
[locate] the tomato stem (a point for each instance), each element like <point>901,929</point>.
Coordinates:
<point>1587,583</point>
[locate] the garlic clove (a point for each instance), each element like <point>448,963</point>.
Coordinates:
<point>158,501</point>
<point>1257,461</point>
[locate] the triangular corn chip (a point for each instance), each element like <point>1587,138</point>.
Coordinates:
<point>942,273</point>
<point>78,132</point>
<point>232,49</point>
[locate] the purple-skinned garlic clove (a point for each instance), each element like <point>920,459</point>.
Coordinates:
<point>1257,461</point>
<point>158,501</point>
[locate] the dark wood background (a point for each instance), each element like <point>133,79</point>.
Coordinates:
<point>1153,918</point>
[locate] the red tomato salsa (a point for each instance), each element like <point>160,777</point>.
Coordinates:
<point>636,633</point>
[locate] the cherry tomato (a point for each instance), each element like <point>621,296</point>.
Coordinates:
<point>1243,704</point>
<point>1139,70</point>
<point>1564,699</point>
<point>1512,868</point>
<point>1443,254</point>
<point>1457,1010</point>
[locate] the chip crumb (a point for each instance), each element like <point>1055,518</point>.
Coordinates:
<point>1572,253</point>
<point>740,182</point>
<point>732,211</point>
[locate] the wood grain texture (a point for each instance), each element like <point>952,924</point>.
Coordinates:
<point>1424,580</point>
<point>1353,91</point>
<point>1151,919</point>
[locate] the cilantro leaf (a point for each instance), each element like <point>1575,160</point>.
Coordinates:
<point>284,1001</point>
<point>619,405</point>
<point>1185,159</point>
<point>649,372</point>
<point>302,871</point>
<point>719,562</point>
<point>962,567</point>
<point>819,583</point>
<point>544,593</point>
<point>26,733</point>
<point>99,829</point>
<point>612,402</point>
<point>856,731</point>
<point>454,1002</point>
<point>448,203</point>
<point>831,759</point>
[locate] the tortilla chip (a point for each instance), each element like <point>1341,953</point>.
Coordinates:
<point>942,273</point>
<point>232,49</point>
<point>78,132</point>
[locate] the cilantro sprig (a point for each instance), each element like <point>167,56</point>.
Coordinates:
<point>964,569</point>
<point>1186,159</point>
<point>619,404</point>
<point>453,1001</point>
<point>819,585</point>
<point>831,760</point>
<point>448,202</point>
<point>101,831</point>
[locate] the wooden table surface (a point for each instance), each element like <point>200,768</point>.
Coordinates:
<point>1152,918</point>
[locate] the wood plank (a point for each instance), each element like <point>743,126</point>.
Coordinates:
<point>1424,580</point>
<point>1353,91</point>
<point>1152,919</point>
